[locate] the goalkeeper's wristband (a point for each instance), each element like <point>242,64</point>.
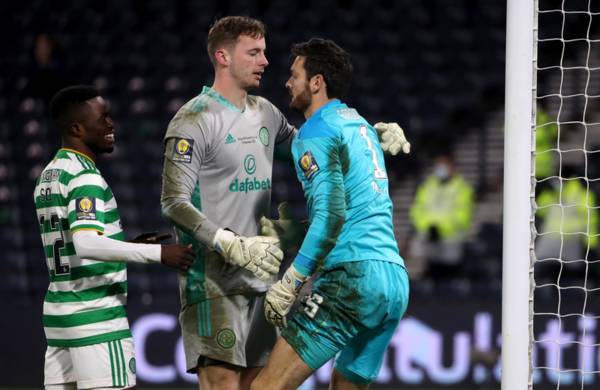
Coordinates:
<point>293,279</point>
<point>304,265</point>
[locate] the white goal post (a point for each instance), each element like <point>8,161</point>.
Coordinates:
<point>518,193</point>
<point>551,257</point>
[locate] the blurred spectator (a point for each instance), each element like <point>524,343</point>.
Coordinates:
<point>546,133</point>
<point>568,226</point>
<point>46,76</point>
<point>441,214</point>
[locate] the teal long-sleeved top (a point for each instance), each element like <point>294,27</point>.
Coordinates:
<point>340,165</point>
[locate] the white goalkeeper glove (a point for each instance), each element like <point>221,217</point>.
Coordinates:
<point>282,295</point>
<point>259,254</point>
<point>392,138</point>
<point>288,231</point>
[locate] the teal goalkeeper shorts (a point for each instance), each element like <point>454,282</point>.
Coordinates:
<point>353,310</point>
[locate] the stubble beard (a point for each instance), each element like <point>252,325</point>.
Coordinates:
<point>301,101</point>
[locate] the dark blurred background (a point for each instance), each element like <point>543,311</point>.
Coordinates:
<point>436,67</point>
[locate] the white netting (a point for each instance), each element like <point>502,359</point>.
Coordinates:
<point>566,264</point>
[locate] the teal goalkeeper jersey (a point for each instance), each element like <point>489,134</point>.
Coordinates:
<point>340,164</point>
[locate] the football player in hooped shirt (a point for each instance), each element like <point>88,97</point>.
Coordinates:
<point>361,288</point>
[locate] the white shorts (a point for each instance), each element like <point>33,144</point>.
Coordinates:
<point>230,329</point>
<point>106,365</point>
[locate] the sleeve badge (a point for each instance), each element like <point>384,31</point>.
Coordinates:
<point>182,151</point>
<point>85,208</point>
<point>308,164</point>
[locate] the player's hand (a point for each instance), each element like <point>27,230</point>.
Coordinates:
<point>392,138</point>
<point>177,256</point>
<point>259,254</point>
<point>150,238</point>
<point>282,295</point>
<point>290,232</point>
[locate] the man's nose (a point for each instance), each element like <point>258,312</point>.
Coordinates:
<point>263,60</point>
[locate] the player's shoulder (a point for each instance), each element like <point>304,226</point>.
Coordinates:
<point>318,127</point>
<point>323,123</point>
<point>68,165</point>
<point>196,107</point>
<point>339,114</point>
<point>259,101</point>
<point>73,163</point>
<point>189,117</point>
<point>262,105</point>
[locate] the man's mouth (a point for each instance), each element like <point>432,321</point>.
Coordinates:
<point>110,137</point>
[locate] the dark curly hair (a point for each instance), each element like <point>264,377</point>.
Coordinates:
<point>326,58</point>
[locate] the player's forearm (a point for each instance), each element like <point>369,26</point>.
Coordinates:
<point>90,245</point>
<point>321,236</point>
<point>179,181</point>
<point>184,215</point>
<point>328,217</point>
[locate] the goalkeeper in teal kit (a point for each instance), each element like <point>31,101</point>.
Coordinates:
<point>360,290</point>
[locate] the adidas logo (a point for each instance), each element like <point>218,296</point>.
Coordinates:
<point>229,139</point>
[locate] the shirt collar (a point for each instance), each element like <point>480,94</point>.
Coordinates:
<point>210,92</point>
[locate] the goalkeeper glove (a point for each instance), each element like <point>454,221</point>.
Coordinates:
<point>287,230</point>
<point>282,295</point>
<point>259,255</point>
<point>392,138</point>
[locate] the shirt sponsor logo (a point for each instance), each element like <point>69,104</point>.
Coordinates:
<point>308,164</point>
<point>263,136</point>
<point>85,208</point>
<point>250,164</point>
<point>50,175</point>
<point>249,184</point>
<point>183,150</point>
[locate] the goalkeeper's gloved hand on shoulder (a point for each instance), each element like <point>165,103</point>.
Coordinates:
<point>392,138</point>
<point>259,254</point>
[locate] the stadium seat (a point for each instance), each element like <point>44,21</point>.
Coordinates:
<point>418,63</point>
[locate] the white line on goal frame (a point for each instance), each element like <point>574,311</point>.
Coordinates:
<point>521,28</point>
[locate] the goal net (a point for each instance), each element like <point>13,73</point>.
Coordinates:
<point>566,267</point>
<point>563,310</point>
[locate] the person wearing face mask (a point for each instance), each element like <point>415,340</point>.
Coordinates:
<point>441,215</point>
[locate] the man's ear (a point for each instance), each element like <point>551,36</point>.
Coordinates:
<point>316,83</point>
<point>222,57</point>
<point>76,130</point>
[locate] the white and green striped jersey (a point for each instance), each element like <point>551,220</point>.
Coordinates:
<point>85,302</point>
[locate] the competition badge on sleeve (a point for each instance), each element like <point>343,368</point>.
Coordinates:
<point>85,208</point>
<point>183,150</point>
<point>308,164</point>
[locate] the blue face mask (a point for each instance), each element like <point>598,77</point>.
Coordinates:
<point>441,171</point>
